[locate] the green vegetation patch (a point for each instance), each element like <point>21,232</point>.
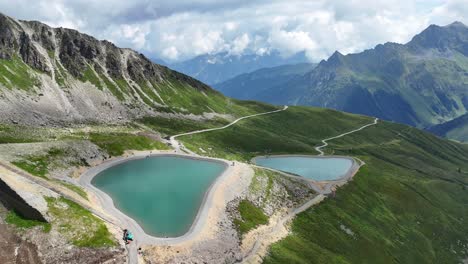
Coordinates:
<point>79,190</point>
<point>150,92</point>
<point>251,217</point>
<point>122,83</point>
<point>179,94</point>
<point>90,75</point>
<point>173,126</point>
<point>116,143</point>
<point>51,54</point>
<point>18,134</point>
<point>112,88</point>
<point>35,165</point>
<point>15,219</point>
<point>38,164</point>
<point>143,97</point>
<point>15,73</point>
<point>78,225</point>
<point>257,187</point>
<point>61,74</point>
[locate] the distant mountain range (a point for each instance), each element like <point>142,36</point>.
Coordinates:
<point>216,68</point>
<point>421,83</point>
<point>259,83</point>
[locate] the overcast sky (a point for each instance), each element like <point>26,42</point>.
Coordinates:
<point>181,29</point>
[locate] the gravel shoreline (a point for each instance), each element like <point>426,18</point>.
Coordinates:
<point>105,201</point>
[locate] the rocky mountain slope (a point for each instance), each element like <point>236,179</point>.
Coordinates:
<point>421,83</point>
<point>219,67</point>
<point>254,84</point>
<point>50,75</point>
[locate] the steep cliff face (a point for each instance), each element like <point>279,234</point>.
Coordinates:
<point>56,74</point>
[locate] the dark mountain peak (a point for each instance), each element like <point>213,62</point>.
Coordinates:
<point>457,24</point>
<point>336,54</point>
<point>451,37</point>
<point>335,60</point>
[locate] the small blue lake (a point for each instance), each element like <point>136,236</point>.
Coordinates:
<point>162,193</point>
<point>315,168</point>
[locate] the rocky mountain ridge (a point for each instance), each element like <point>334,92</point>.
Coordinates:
<point>56,74</point>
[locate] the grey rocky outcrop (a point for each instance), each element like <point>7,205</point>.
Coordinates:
<point>78,78</point>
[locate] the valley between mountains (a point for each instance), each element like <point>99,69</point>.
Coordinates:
<point>72,106</point>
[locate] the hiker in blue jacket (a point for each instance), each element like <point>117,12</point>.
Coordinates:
<point>127,236</point>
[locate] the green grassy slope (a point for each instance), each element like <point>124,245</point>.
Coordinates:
<point>407,205</point>
<point>116,144</point>
<point>251,217</point>
<point>296,130</point>
<point>69,218</point>
<point>15,73</point>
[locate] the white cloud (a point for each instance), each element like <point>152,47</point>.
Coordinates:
<point>230,26</point>
<point>239,44</point>
<point>170,53</point>
<point>129,35</point>
<point>450,11</point>
<point>291,42</point>
<point>176,30</point>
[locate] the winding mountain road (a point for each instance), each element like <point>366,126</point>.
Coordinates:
<point>179,146</point>
<point>324,141</point>
<point>279,230</point>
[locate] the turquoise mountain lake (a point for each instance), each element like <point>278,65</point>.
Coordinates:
<point>319,169</point>
<point>162,193</point>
